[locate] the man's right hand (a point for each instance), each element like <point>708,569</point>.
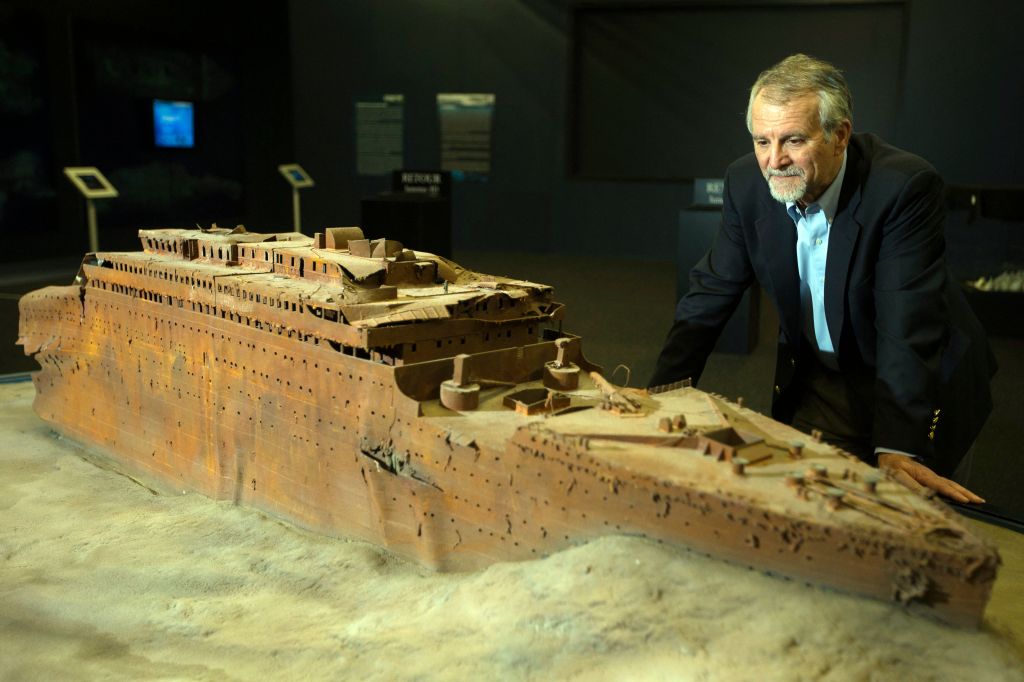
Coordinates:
<point>918,477</point>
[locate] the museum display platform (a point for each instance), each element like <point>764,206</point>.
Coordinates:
<point>105,576</point>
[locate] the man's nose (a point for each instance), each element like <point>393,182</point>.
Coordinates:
<point>778,158</point>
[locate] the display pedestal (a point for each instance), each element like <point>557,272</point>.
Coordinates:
<point>422,223</point>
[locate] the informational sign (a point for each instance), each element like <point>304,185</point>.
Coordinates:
<point>708,191</point>
<point>295,175</point>
<point>90,182</point>
<point>93,185</point>
<point>298,178</point>
<point>466,133</point>
<point>379,135</point>
<point>432,183</point>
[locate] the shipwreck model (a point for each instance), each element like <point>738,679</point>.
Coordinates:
<point>361,389</point>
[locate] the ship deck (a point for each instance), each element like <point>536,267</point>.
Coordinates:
<point>633,443</point>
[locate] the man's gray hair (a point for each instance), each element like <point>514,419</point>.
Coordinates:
<point>800,75</point>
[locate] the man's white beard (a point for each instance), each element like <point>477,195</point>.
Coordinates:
<point>795,192</point>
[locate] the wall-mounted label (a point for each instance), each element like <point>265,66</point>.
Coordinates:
<point>708,191</point>
<point>379,135</point>
<point>466,133</point>
<point>430,182</point>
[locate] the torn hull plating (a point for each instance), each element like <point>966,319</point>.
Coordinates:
<point>275,417</point>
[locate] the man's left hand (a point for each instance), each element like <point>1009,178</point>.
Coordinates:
<point>917,476</point>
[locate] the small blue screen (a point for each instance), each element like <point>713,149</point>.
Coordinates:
<point>173,124</point>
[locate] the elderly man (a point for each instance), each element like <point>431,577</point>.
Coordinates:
<point>877,346</point>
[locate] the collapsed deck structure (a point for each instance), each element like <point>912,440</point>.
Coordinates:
<point>362,389</point>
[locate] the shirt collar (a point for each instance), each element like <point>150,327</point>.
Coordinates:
<point>828,202</point>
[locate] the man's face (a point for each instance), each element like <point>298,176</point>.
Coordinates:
<point>795,158</point>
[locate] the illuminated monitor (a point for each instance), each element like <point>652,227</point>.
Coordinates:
<point>173,124</point>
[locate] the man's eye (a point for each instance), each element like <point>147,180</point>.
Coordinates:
<point>761,143</point>
<point>795,141</point>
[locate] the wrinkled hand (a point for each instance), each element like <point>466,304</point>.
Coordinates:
<point>918,477</point>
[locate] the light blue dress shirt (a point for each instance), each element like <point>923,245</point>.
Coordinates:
<point>812,229</point>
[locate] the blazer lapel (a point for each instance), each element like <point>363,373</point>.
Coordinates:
<point>842,241</point>
<point>777,236</point>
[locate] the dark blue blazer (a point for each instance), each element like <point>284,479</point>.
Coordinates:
<point>902,329</point>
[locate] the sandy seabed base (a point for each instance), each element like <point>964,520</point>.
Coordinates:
<point>103,578</point>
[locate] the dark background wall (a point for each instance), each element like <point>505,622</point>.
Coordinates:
<point>77,81</point>
<point>960,77</point>
<point>276,83</point>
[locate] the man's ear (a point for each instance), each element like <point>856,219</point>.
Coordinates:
<point>842,135</point>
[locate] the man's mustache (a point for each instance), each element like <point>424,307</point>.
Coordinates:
<point>787,173</point>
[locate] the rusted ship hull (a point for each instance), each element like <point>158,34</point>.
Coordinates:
<point>355,448</point>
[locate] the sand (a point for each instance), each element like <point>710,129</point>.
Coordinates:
<point>103,577</point>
